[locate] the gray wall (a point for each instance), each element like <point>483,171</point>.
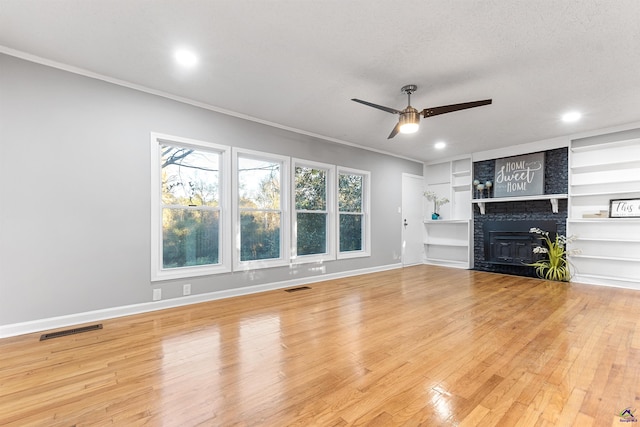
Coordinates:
<point>75,185</point>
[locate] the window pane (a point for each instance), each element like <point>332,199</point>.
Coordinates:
<point>259,235</point>
<point>189,237</point>
<point>189,176</point>
<point>350,193</point>
<point>311,188</point>
<point>258,184</point>
<point>312,233</point>
<point>350,232</point>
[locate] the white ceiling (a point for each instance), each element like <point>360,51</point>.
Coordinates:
<point>297,63</point>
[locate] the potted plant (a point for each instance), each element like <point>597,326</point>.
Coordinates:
<point>437,202</point>
<point>556,267</point>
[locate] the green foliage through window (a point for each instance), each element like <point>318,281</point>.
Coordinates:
<point>190,213</point>
<point>260,214</point>
<point>311,210</point>
<point>350,206</point>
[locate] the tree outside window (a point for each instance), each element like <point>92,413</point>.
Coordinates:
<point>351,211</point>
<point>190,206</point>
<point>311,210</point>
<point>259,204</point>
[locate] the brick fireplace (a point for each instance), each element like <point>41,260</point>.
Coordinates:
<point>501,241</point>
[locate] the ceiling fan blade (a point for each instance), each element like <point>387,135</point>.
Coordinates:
<point>428,112</point>
<point>379,107</point>
<point>395,131</point>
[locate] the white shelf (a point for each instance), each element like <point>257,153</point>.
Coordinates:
<point>447,263</point>
<point>446,221</point>
<point>613,181</point>
<point>603,239</point>
<point>603,220</point>
<point>605,193</point>
<point>605,145</point>
<point>597,167</point>
<point>553,198</point>
<point>607,258</point>
<point>461,173</point>
<point>461,187</point>
<point>455,244</point>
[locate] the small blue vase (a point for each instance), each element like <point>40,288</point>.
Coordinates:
<point>435,216</point>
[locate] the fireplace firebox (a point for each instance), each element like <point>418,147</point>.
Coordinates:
<point>511,242</point>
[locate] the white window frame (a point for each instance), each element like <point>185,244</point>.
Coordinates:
<point>224,265</point>
<point>285,225</point>
<point>330,211</point>
<point>366,217</point>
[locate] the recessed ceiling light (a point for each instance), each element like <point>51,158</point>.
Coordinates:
<point>571,117</point>
<point>186,58</point>
<point>440,145</point>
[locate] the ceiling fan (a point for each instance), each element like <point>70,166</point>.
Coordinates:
<point>410,117</point>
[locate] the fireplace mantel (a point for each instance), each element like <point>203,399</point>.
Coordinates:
<point>553,198</point>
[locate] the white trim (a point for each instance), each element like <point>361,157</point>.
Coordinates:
<point>83,72</point>
<point>224,266</point>
<point>15,329</point>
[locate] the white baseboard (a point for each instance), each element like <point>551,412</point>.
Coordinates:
<point>110,313</point>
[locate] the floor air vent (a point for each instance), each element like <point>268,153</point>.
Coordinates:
<point>70,332</point>
<point>301,288</point>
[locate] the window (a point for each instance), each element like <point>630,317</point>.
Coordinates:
<point>353,208</point>
<point>277,211</point>
<point>262,218</point>
<point>313,206</point>
<point>190,205</point>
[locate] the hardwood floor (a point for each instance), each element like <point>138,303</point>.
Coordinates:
<point>423,345</point>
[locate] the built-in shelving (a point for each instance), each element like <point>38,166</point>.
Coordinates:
<point>609,248</point>
<point>447,241</point>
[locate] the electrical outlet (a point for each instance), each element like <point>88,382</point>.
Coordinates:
<point>186,289</point>
<point>157,294</point>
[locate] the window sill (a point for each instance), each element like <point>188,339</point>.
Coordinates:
<point>184,272</point>
<point>353,254</point>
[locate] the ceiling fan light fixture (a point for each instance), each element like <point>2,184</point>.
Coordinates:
<point>409,128</point>
<point>409,121</point>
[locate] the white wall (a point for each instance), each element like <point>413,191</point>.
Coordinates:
<point>75,192</point>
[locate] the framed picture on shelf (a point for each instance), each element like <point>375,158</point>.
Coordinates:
<point>624,208</point>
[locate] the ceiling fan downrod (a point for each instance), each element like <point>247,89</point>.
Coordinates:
<point>409,89</point>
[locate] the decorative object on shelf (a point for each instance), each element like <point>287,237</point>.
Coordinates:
<point>519,175</point>
<point>437,202</point>
<point>556,267</point>
<point>488,186</point>
<point>624,208</point>
<point>599,214</point>
<point>475,187</point>
<point>480,188</point>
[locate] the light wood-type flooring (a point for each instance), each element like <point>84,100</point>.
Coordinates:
<point>423,345</point>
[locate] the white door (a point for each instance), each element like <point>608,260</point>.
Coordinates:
<point>412,220</point>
